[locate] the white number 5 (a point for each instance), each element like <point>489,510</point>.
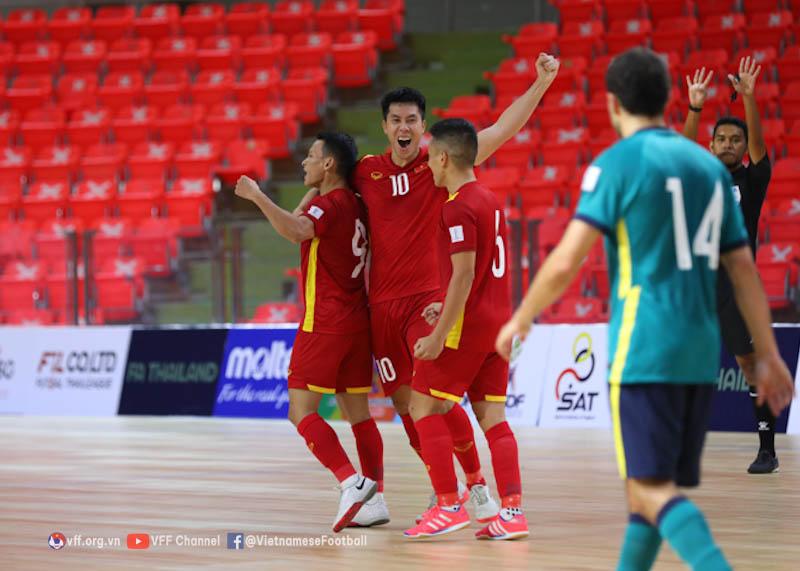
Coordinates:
<point>706,240</point>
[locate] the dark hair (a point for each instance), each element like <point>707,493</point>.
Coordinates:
<point>403,95</point>
<point>460,138</point>
<point>735,121</point>
<point>640,80</point>
<point>342,148</point>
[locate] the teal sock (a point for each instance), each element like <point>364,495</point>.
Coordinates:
<point>686,530</point>
<point>640,546</point>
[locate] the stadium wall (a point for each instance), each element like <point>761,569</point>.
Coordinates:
<point>558,380</point>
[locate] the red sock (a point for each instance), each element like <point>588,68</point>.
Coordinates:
<point>413,437</point>
<point>324,444</point>
<point>464,444</point>
<point>505,462</point>
<point>437,450</point>
<point>370,450</point>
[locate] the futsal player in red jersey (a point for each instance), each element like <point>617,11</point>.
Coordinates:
<point>458,356</point>
<point>404,207</point>
<point>332,353</point>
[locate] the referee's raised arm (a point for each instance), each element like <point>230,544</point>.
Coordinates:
<point>745,83</point>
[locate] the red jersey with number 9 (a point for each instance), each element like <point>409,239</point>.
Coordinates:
<point>404,208</point>
<point>333,264</point>
<point>473,221</point>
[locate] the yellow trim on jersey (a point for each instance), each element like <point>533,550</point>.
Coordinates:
<point>358,390</point>
<point>625,334</point>
<point>494,398</point>
<point>616,421</point>
<point>323,390</point>
<point>451,197</point>
<point>454,335</point>
<point>311,286</point>
<point>443,395</point>
<point>624,254</point>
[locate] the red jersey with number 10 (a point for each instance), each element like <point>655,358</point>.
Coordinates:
<point>473,221</point>
<point>404,208</point>
<point>332,264</point>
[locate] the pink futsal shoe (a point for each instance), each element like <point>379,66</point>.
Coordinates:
<point>439,520</point>
<point>510,523</point>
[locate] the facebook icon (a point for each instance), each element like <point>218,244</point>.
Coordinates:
<point>236,540</point>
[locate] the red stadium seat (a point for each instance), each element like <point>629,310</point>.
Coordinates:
<point>104,161</point>
<point>15,165</point>
<point>277,124</point>
<point>309,50</point>
<point>22,285</point>
<point>707,8</point>
<point>43,127</point>
<point>226,121</point>
<point>191,202</point>
<point>783,229</point>
<point>520,151</point>
<point>38,58</point>
<point>46,200</point>
<point>675,35</point>
<point>245,156</point>
<point>789,66</point>
<point>621,10</point>
<point>306,88</point>
<point>10,201</point>
<point>167,88</point>
<point>76,91</point>
<point>723,31</point>
<point>474,108</point>
<point>175,54</point>
<point>155,242</point>
<point>542,186</point>
<point>776,281</point>
<point>264,52</point>
<point>151,161</point>
<point>111,23</point>
<point>180,123</point>
<point>25,25</point>
<point>548,235</point>
<point>337,17</point>
<point>792,139</point>
<point>581,39</point>
<point>84,56</point>
<point>116,297</point>
<point>202,20</point>
<point>565,147</point>
<point>582,310</point>
<point>212,87</point>
<point>533,39</point>
<point>112,237</point>
<point>141,199</point>
<point>69,24</point>
<point>768,29</point>
<point>716,60</point>
<point>129,55</point>
<point>6,59</point>
<point>56,164</point>
<point>385,23</point>
<point>663,9</point>
<point>355,59</point>
<point>247,19</point>
<point>512,79</point>
<point>577,10</point>
<point>30,92</point>
<point>788,207</point>
<point>157,21</point>
<point>134,124</point>
<point>501,181</point>
<point>9,127</point>
<point>563,111</point>
<point>93,200</point>
<point>790,102</point>
<point>257,86</point>
<point>278,312</point>
<point>89,127</point>
<point>626,34</point>
<point>220,53</point>
<point>197,159</point>
<point>785,179</point>
<point>290,17</point>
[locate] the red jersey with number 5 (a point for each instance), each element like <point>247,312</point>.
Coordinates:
<point>332,264</point>
<point>473,221</point>
<point>404,208</point>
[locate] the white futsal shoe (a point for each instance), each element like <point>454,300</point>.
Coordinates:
<point>463,497</point>
<point>484,505</point>
<point>374,512</point>
<point>355,491</point>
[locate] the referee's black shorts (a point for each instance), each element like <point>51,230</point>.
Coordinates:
<point>735,335</point>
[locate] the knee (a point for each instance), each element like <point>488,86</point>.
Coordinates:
<point>647,497</point>
<point>490,415</point>
<point>297,413</point>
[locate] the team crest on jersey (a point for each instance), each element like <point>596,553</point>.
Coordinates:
<point>376,175</point>
<point>421,168</point>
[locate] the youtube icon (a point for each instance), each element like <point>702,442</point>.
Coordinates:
<point>138,541</point>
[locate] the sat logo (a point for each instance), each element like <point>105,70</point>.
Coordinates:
<point>570,393</point>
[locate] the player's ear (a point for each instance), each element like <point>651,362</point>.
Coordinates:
<point>384,126</point>
<point>329,164</point>
<point>424,126</point>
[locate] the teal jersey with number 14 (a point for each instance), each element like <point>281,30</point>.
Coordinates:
<point>667,211</point>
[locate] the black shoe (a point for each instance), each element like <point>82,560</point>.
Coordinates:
<point>765,463</point>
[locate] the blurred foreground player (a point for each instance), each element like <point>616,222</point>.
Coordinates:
<point>332,352</point>
<point>731,139</point>
<point>665,208</point>
<point>458,357</point>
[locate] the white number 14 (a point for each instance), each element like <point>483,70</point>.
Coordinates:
<point>706,240</point>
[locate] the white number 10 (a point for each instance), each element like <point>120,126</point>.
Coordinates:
<point>706,240</point>
<point>400,184</point>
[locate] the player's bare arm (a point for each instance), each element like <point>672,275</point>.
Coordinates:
<point>745,84</point>
<point>430,347</point>
<point>305,201</point>
<point>293,227</point>
<point>551,281</point>
<point>773,380</point>
<point>517,114</point>
<point>698,91</point>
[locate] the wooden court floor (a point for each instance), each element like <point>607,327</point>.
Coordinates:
<point>203,478</point>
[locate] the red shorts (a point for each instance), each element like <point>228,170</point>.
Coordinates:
<point>396,326</point>
<point>330,363</point>
<point>482,376</point>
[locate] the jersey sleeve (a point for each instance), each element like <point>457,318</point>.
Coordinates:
<point>760,174</point>
<point>322,211</point>
<point>733,233</point>
<point>601,196</point>
<point>461,226</point>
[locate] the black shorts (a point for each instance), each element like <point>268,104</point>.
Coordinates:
<point>735,336</point>
<point>660,429</point>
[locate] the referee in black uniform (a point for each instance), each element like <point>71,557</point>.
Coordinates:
<point>733,137</point>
